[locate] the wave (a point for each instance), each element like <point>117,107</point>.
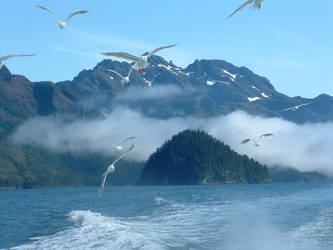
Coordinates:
<point>317,232</point>
<point>160,201</point>
<point>97,231</point>
<point>176,225</point>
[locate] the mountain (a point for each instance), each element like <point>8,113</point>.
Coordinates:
<point>194,157</point>
<point>293,175</point>
<point>208,88</point>
<point>211,87</point>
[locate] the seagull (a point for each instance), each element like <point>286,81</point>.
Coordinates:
<point>141,62</point>
<point>120,147</point>
<point>256,5</point>
<point>295,108</point>
<point>4,58</point>
<point>63,24</point>
<point>256,142</point>
<point>124,79</point>
<point>110,169</point>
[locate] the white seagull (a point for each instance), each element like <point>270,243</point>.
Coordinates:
<point>295,108</point>
<point>110,169</point>
<point>256,141</point>
<point>63,24</point>
<point>124,79</point>
<point>120,147</point>
<point>141,62</point>
<point>4,58</point>
<point>256,5</point>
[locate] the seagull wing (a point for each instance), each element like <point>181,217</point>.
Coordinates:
<point>110,169</point>
<point>265,135</point>
<point>287,109</point>
<point>246,141</point>
<point>10,56</point>
<point>129,138</point>
<point>296,107</point>
<point>257,4</point>
<point>304,104</point>
<point>124,154</point>
<point>75,13</point>
<point>122,55</point>
<point>241,7</point>
<point>160,48</point>
<point>115,72</point>
<point>129,73</point>
<point>48,10</point>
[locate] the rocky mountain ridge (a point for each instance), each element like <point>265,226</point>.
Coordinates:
<point>206,88</point>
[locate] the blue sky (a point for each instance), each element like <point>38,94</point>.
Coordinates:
<point>288,41</point>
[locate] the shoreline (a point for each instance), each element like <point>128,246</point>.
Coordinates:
<point>226,184</point>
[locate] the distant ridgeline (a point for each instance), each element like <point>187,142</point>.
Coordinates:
<point>293,175</point>
<point>194,157</point>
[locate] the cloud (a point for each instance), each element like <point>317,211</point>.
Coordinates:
<point>111,41</point>
<point>136,93</point>
<point>76,52</point>
<point>304,147</point>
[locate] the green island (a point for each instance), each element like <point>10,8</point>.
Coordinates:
<point>194,157</point>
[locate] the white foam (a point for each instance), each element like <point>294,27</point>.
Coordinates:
<point>159,201</point>
<point>96,231</point>
<point>314,233</point>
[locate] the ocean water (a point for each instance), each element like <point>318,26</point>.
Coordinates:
<point>235,217</point>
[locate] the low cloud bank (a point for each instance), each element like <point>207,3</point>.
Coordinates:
<point>136,93</point>
<point>305,147</point>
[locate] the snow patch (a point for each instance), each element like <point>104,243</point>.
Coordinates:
<point>253,99</point>
<point>264,95</point>
<point>168,67</point>
<point>188,73</point>
<point>224,82</point>
<point>254,87</point>
<point>210,83</point>
<point>232,76</point>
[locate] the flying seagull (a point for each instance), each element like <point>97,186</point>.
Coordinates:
<point>256,5</point>
<point>141,62</point>
<point>110,169</point>
<point>295,108</point>
<point>120,147</point>
<point>4,58</point>
<point>124,79</point>
<point>256,141</point>
<point>63,24</point>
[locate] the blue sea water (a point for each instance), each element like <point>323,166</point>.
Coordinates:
<point>235,217</point>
